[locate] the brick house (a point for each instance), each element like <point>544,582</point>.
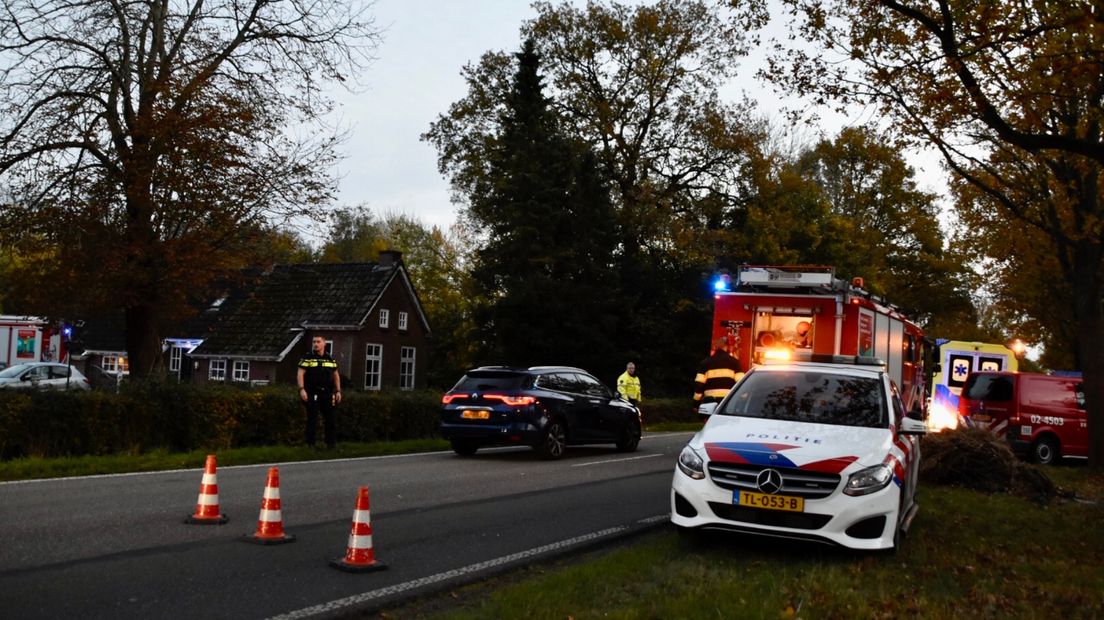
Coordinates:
<point>368,313</point>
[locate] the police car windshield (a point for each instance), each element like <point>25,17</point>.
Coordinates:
<point>809,396</point>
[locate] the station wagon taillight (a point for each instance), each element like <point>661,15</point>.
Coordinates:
<point>513,401</point>
<point>448,398</point>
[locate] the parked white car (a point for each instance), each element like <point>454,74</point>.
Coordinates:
<point>808,450</point>
<point>46,375</point>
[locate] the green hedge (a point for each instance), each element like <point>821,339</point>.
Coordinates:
<point>181,417</point>
<point>657,410</point>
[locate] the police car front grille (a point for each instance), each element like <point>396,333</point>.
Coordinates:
<point>795,482</point>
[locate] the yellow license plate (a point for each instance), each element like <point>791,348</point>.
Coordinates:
<point>770,502</point>
<point>472,414</point>
<point>981,417</point>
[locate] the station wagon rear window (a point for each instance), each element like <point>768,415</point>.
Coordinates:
<point>485,381</point>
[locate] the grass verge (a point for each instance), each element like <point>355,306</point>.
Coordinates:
<point>969,554</point>
<point>32,468</point>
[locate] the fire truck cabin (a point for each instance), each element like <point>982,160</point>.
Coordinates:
<point>795,312</point>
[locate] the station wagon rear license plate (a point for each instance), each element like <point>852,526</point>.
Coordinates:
<point>475,414</point>
<point>769,502</point>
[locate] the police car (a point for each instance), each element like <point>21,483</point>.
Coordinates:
<point>820,450</point>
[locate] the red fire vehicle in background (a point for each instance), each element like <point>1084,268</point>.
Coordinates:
<point>764,311</point>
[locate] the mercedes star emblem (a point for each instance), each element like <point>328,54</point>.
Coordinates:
<point>769,481</point>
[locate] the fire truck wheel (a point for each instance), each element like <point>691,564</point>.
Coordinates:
<point>1044,451</point>
<point>554,443</point>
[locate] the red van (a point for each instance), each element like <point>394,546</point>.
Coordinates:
<point>1043,416</point>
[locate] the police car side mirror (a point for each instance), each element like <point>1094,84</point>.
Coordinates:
<point>910,426</point>
<point>707,408</point>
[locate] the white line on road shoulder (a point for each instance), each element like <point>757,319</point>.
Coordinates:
<point>399,588</point>
<point>629,458</point>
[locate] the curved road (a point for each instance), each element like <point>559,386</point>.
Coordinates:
<point>117,546</point>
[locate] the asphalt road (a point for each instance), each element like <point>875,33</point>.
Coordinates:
<point>118,547</point>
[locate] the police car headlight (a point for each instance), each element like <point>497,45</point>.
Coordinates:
<point>691,463</point>
<point>869,480</point>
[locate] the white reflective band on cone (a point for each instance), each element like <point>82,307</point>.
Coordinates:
<point>360,542</point>
<point>271,493</point>
<point>209,478</point>
<point>362,516</point>
<point>207,499</point>
<point>270,516</point>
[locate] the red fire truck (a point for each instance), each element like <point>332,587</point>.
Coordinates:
<point>793,312</point>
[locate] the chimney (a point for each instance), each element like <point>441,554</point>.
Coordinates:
<point>390,258</point>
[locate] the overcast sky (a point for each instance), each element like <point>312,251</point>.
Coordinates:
<point>415,78</point>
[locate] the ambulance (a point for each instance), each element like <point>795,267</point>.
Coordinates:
<point>954,361</point>
<point>794,312</point>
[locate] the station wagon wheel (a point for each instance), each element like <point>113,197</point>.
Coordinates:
<point>630,437</point>
<point>1044,451</point>
<point>554,442</point>
<point>464,447</point>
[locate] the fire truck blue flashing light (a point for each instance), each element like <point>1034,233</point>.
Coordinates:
<point>68,331</point>
<point>722,283</point>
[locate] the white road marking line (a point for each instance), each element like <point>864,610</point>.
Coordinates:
<point>629,458</point>
<point>364,597</point>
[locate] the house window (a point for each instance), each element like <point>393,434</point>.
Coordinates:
<point>328,350</point>
<point>217,371</point>
<point>116,364</point>
<point>176,354</point>
<point>241,370</point>
<point>373,366</point>
<point>385,317</point>
<point>406,368</point>
<point>403,319</point>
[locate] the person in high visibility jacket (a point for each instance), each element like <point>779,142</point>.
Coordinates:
<point>716,375</point>
<point>628,385</point>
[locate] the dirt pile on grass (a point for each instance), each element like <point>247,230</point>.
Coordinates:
<point>975,459</point>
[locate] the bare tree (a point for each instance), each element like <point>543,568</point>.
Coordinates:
<point>147,142</point>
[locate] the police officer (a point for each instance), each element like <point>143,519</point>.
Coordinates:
<point>628,384</point>
<point>717,374</point>
<point>319,389</point>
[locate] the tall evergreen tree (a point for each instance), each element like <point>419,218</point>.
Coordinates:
<point>544,267</point>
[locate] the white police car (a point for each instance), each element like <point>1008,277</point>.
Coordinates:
<point>819,450</point>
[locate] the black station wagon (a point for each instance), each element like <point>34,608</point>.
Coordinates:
<point>546,407</point>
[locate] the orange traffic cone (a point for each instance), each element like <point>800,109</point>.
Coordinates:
<point>270,523</point>
<point>359,556</point>
<point>207,506</point>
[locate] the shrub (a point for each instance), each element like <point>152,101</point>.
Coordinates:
<point>976,459</point>
<point>179,417</point>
